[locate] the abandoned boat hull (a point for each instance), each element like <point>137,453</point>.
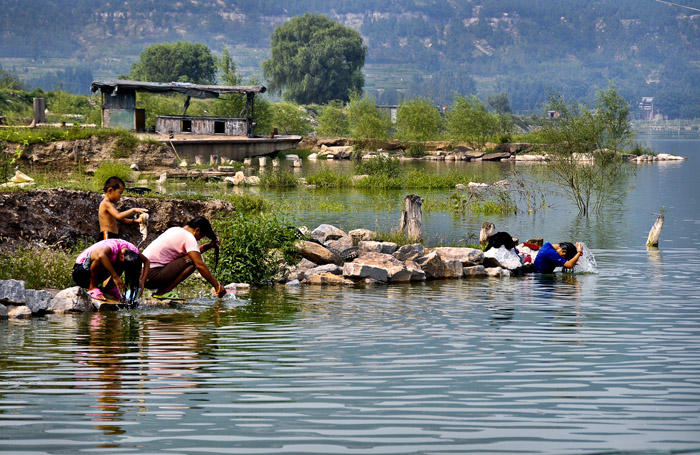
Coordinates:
<point>235,148</point>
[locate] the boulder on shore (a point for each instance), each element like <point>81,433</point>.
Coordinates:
<point>468,256</point>
<point>317,253</point>
<point>71,300</point>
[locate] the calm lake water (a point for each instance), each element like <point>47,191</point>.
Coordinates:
<point>576,364</point>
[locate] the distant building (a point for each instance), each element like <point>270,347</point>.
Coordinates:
<point>647,107</point>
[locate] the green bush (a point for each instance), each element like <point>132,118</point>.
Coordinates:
<point>418,120</point>
<point>415,150</point>
<point>332,122</point>
<point>124,145</point>
<point>380,165</point>
<point>329,178</point>
<point>278,178</point>
<point>253,247</point>
<point>40,267</point>
<point>111,169</point>
<point>248,203</point>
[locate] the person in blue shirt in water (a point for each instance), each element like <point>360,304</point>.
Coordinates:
<point>551,256</point>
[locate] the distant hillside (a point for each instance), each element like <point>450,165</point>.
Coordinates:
<point>433,47</point>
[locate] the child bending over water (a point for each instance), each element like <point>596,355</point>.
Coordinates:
<point>109,259</point>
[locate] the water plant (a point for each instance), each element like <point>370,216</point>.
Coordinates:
<point>329,178</point>
<point>253,248</point>
<point>387,166</point>
<point>278,178</point>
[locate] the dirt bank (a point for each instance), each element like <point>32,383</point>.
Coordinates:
<point>67,156</point>
<point>63,217</point>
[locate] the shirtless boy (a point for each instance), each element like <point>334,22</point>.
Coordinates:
<point>109,215</point>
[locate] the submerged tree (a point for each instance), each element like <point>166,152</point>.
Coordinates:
<point>315,60</point>
<point>584,147</point>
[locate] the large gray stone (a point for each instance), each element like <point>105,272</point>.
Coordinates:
<point>340,244</point>
<point>369,246</point>
<point>327,268</point>
<point>37,301</point>
<point>475,271</point>
<point>318,253</point>
<point>433,266</point>
<point>359,235</point>
<point>328,279</point>
<point>71,300</point>
<point>417,273</point>
<point>409,252</point>
<point>3,311</point>
<point>395,269</point>
<point>326,232</point>
<point>453,268</point>
<point>19,312</point>
<point>497,156</point>
<point>12,292</point>
<point>358,271</point>
<point>498,272</point>
<point>468,256</point>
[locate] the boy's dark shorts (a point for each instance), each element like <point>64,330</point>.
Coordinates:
<point>161,277</point>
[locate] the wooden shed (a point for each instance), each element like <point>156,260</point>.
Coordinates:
<point>119,107</point>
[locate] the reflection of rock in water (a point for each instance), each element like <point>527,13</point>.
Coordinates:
<point>586,263</point>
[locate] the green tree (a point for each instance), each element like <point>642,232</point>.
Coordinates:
<point>290,118</point>
<point>10,81</point>
<point>470,120</point>
<point>315,60</point>
<point>175,62</point>
<point>591,174</point>
<point>365,122</point>
<point>614,111</point>
<point>332,121</point>
<point>418,119</point>
<point>500,103</point>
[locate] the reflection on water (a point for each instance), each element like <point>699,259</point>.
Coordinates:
<point>569,363</point>
<point>605,362</point>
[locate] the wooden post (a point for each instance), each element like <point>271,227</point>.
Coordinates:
<point>487,230</point>
<point>655,233</point>
<point>412,218</point>
<point>39,111</point>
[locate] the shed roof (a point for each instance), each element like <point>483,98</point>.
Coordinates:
<point>193,90</point>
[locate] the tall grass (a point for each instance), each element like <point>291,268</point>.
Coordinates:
<point>40,267</point>
<point>42,135</point>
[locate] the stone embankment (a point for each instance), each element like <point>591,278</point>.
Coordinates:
<point>330,258</point>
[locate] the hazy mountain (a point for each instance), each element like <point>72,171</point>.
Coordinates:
<point>521,47</point>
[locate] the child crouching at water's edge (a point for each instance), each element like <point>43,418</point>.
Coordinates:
<point>109,215</point>
<point>103,263</point>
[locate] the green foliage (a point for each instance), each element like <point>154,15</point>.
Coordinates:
<point>10,81</point>
<point>365,122</point>
<point>278,178</point>
<point>248,203</point>
<point>315,60</point>
<point>39,267</point>
<point>582,133</point>
<point>111,169</point>
<point>252,247</point>
<point>333,121</point>
<point>500,103</point>
<point>290,118</point>
<point>415,150</point>
<point>329,178</point>
<point>379,165</point>
<point>484,201</point>
<point>175,62</point>
<point>418,119</point>
<point>124,145</point>
<point>470,120</point>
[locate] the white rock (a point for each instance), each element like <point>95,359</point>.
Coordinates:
<point>75,299</point>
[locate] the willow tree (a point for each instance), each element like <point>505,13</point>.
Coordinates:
<point>314,60</point>
<point>584,146</point>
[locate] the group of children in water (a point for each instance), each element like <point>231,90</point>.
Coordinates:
<point>165,263</point>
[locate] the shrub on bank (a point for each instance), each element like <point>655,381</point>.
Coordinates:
<point>253,248</point>
<point>329,178</point>
<point>278,178</point>
<point>111,169</point>
<point>40,267</point>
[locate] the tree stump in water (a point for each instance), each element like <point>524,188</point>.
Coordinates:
<point>487,230</point>
<point>655,233</point>
<point>412,218</point>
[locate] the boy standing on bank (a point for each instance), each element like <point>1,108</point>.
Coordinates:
<point>109,215</point>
